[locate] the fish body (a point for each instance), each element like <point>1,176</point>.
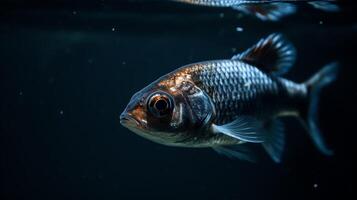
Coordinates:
<point>223,104</point>
<point>266,10</point>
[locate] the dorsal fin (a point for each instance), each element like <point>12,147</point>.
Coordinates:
<point>273,55</point>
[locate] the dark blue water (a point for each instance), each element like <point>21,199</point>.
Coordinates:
<point>68,69</point>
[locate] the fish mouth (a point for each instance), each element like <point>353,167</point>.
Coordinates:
<point>128,121</point>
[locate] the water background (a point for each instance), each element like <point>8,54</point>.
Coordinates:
<point>68,69</point>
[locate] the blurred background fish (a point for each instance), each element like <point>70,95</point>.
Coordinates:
<point>267,10</point>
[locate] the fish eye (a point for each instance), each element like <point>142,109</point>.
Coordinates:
<point>160,104</point>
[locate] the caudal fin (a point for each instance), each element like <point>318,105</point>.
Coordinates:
<point>321,79</point>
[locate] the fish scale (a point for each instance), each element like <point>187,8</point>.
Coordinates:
<point>235,87</point>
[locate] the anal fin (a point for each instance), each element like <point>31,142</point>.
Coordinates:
<point>275,139</point>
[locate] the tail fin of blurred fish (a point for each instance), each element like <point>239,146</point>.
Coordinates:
<point>267,12</point>
<point>324,77</point>
<point>328,6</point>
<point>274,10</point>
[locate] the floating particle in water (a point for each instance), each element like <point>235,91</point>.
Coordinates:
<point>321,22</point>
<point>239,29</point>
<point>315,185</point>
<point>113,29</point>
<point>123,63</point>
<point>61,112</point>
<point>234,50</point>
<point>221,15</point>
<point>74,12</point>
<point>90,61</point>
<point>21,93</point>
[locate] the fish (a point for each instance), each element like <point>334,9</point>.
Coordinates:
<point>266,10</point>
<point>230,105</point>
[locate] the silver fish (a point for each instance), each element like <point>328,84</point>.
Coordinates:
<point>222,104</point>
<point>266,10</point>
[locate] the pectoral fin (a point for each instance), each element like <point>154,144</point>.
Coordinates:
<point>269,133</point>
<point>246,129</point>
<point>236,151</point>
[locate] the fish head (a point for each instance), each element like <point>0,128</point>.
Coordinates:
<point>168,112</point>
